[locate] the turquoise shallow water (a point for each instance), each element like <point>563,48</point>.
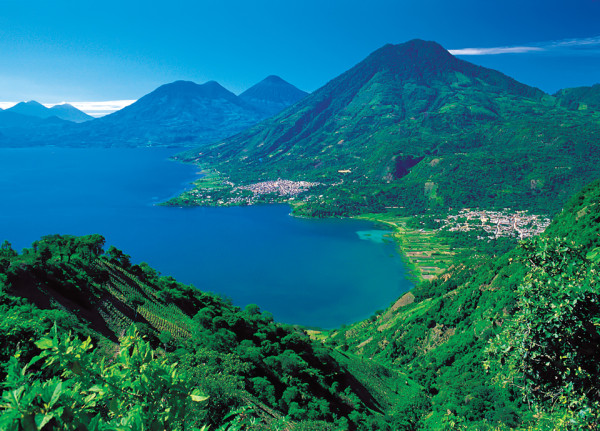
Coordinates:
<point>376,235</point>
<point>312,272</point>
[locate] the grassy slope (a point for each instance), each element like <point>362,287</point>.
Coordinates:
<point>581,98</point>
<point>437,333</point>
<point>239,357</point>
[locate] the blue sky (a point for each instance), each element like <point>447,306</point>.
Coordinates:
<point>79,50</point>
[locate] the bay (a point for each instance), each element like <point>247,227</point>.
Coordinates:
<point>321,273</point>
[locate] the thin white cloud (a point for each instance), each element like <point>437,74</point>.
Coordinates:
<point>99,109</point>
<point>566,45</point>
<point>6,105</point>
<point>587,42</point>
<point>493,51</point>
<point>95,109</point>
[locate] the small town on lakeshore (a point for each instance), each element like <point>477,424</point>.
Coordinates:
<point>279,187</point>
<point>214,190</point>
<point>495,224</point>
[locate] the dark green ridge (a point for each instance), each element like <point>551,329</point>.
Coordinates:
<point>236,357</point>
<point>412,118</point>
<point>580,97</point>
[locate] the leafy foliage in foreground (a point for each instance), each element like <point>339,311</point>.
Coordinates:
<point>77,389</point>
<point>495,343</point>
<point>238,358</point>
<point>550,348</point>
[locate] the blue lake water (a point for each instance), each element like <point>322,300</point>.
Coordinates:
<point>312,272</point>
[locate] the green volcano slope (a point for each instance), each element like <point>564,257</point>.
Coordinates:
<point>510,340</point>
<point>240,359</point>
<point>413,126</point>
<point>580,97</point>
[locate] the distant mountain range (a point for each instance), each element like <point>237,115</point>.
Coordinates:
<point>184,112</point>
<point>412,126</point>
<point>181,113</point>
<point>64,111</point>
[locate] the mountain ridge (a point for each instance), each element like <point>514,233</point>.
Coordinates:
<point>63,111</point>
<point>66,111</point>
<point>181,113</point>
<point>399,121</point>
<point>580,97</point>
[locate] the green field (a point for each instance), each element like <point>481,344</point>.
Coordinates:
<point>426,252</point>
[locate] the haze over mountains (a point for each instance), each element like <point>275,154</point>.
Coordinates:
<point>180,113</point>
<point>413,126</point>
<point>63,111</point>
<point>410,126</point>
<point>32,122</point>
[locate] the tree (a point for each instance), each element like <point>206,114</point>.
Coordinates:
<point>119,257</point>
<point>6,250</point>
<point>78,391</point>
<point>90,246</point>
<point>551,348</point>
<point>44,253</point>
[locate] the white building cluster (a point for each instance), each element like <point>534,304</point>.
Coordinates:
<point>496,224</point>
<point>280,187</point>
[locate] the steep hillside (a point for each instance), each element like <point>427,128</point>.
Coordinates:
<point>509,341</point>
<point>494,333</point>
<point>239,358</point>
<point>580,97</point>
<point>412,126</point>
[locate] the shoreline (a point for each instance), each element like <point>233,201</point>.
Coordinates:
<point>414,272</point>
<point>425,257</point>
<point>212,181</point>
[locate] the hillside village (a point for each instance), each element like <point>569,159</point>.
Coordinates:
<point>279,187</point>
<point>213,190</point>
<point>495,224</point>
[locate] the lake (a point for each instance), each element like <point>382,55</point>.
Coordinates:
<point>322,273</point>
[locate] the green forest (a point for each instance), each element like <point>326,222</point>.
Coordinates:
<point>414,128</point>
<point>497,334</point>
<point>92,341</point>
